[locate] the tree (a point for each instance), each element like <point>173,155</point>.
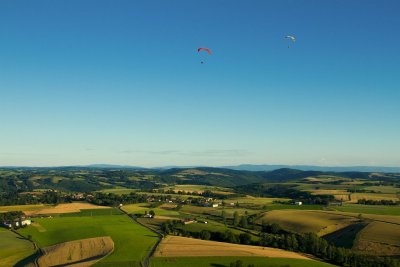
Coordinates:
<point>205,235</point>
<point>223,215</point>
<point>152,213</point>
<point>245,238</point>
<point>243,222</point>
<point>236,218</point>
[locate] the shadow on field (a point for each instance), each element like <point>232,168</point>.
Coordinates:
<point>217,265</point>
<point>28,261</point>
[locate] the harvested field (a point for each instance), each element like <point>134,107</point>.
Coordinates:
<point>65,208</point>
<point>373,196</point>
<point>306,221</point>
<point>23,208</point>
<point>82,253</point>
<point>177,246</point>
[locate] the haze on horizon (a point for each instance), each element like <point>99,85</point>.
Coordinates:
<point>85,82</point>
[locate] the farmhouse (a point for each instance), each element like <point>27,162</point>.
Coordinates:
<point>298,203</point>
<point>16,223</point>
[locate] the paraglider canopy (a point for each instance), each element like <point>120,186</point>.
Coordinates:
<point>205,49</point>
<point>291,37</point>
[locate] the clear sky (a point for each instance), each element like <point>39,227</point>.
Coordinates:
<point>94,81</point>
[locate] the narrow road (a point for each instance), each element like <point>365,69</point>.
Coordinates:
<point>146,260</point>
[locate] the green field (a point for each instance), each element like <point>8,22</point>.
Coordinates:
<point>142,207</point>
<point>118,191</point>
<point>369,209</point>
<point>13,248</point>
<point>225,261</point>
<point>132,241</point>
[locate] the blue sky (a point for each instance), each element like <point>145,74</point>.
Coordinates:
<point>121,82</point>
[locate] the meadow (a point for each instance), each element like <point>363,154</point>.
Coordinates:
<point>132,241</point>
<point>142,207</point>
<point>13,248</point>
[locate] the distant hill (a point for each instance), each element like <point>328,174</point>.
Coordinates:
<point>264,167</point>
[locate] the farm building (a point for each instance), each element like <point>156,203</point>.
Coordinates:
<point>25,222</point>
<point>298,203</point>
<point>215,205</point>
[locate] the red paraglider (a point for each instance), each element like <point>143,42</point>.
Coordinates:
<point>204,49</point>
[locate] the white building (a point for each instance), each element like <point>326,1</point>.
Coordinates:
<point>298,203</point>
<point>215,205</point>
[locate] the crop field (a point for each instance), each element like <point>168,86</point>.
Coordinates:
<point>199,188</point>
<point>346,236</point>
<point>23,207</point>
<point>84,252</point>
<point>384,189</point>
<point>142,207</point>
<point>64,208</point>
<point>259,201</point>
<point>229,211</point>
<point>379,238</point>
<point>307,221</point>
<point>213,226</point>
<point>354,197</point>
<point>177,246</point>
<point>132,241</point>
<point>342,195</point>
<point>225,262</point>
<point>13,248</point>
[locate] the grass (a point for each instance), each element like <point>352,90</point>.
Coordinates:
<point>13,248</point>
<point>118,191</point>
<point>225,262</point>
<point>384,189</point>
<point>142,207</point>
<point>132,241</point>
<point>369,209</point>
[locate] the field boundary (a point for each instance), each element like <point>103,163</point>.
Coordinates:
<point>146,261</point>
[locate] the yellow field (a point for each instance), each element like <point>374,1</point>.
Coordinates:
<point>64,208</point>
<point>342,195</point>
<point>23,207</point>
<point>305,221</point>
<point>177,246</point>
<point>82,253</point>
<point>199,189</point>
<point>379,238</point>
<point>255,200</point>
<point>373,196</point>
